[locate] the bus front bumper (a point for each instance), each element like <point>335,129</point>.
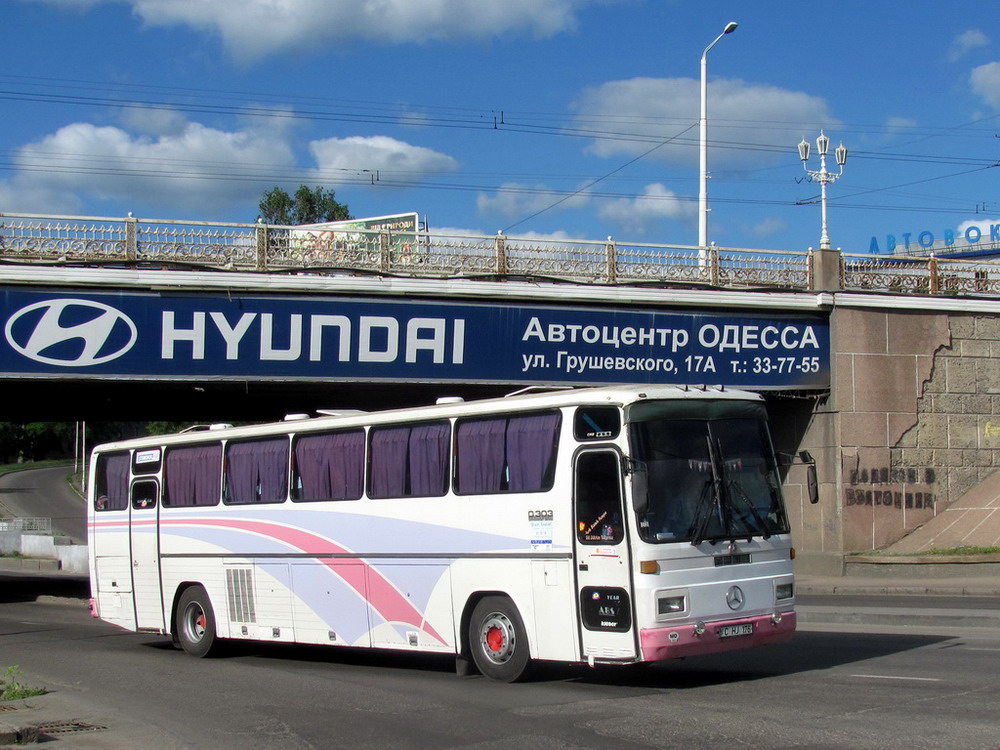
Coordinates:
<point>692,639</point>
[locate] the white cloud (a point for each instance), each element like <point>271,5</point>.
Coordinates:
<point>395,159</point>
<point>154,121</point>
<point>514,200</point>
<point>157,161</point>
<point>24,194</point>
<point>986,82</point>
<point>767,227</point>
<point>967,41</point>
<point>983,225</point>
<point>190,168</point>
<point>897,124</point>
<point>252,29</point>
<point>645,213</point>
<point>740,113</point>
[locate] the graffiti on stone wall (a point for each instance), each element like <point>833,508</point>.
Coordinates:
<point>890,487</point>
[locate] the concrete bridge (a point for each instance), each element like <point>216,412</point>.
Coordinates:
<point>885,368</point>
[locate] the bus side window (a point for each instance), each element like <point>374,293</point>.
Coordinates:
<point>410,460</point>
<point>111,482</point>
<point>144,494</point>
<point>598,499</point>
<point>193,475</point>
<point>506,454</point>
<point>256,471</point>
<point>329,466</point>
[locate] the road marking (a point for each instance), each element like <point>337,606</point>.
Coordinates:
<point>895,677</point>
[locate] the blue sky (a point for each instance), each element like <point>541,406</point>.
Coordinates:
<point>564,118</point>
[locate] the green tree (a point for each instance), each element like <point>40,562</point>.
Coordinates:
<point>307,206</point>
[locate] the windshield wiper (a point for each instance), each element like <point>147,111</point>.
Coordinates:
<point>734,490</point>
<point>702,515</point>
<point>765,532</point>
<point>706,505</point>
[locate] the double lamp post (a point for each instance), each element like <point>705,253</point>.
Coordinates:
<point>822,175</point>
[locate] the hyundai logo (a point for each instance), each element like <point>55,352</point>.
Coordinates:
<point>735,598</point>
<point>71,332</point>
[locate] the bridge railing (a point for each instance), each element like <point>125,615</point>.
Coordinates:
<point>261,247</point>
<point>921,276</point>
<point>74,240</point>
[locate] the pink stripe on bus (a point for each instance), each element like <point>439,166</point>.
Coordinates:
<point>385,598</point>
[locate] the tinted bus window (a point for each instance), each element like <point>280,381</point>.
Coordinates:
<point>257,471</point>
<point>193,475</point>
<point>329,466</point>
<point>410,460</point>
<point>598,499</point>
<point>506,454</point>
<point>597,423</point>
<point>111,482</point>
<point>146,461</point>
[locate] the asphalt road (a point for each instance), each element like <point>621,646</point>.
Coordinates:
<point>824,691</point>
<point>45,493</point>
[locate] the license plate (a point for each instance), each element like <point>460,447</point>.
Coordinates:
<point>734,631</point>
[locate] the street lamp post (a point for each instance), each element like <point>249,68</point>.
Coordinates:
<point>703,140</point>
<point>823,177</point>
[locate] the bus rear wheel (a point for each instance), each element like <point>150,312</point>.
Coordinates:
<point>194,622</point>
<point>498,640</point>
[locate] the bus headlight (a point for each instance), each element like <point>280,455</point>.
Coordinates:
<point>670,605</point>
<point>784,591</point>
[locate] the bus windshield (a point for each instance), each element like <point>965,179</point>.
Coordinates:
<point>704,471</point>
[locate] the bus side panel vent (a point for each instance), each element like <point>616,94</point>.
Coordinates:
<point>239,592</point>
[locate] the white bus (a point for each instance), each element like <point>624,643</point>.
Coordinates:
<point>602,525</point>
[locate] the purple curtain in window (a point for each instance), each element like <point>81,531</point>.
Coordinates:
<point>194,475</point>
<point>257,471</point>
<point>388,459</point>
<point>530,442</point>
<point>331,467</point>
<point>481,455</point>
<point>429,453</point>
<point>116,475</point>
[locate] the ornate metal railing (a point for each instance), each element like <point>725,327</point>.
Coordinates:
<point>913,275</point>
<point>146,243</point>
<point>269,248</point>
<point>28,525</point>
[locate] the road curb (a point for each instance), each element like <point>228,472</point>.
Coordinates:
<point>29,564</point>
<point>898,617</point>
<point>11,735</point>
<point>895,588</point>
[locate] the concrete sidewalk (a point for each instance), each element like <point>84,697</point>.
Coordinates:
<point>986,586</point>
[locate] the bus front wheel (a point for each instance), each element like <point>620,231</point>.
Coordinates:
<point>194,623</point>
<point>498,641</point>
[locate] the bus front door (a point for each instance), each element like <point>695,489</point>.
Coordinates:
<point>607,631</point>
<point>144,508</point>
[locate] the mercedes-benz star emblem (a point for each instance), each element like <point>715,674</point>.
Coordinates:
<point>735,598</point>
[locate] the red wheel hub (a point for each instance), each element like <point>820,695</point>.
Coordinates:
<point>494,639</point>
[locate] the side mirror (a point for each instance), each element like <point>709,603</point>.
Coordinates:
<point>640,483</point>
<point>812,483</point>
